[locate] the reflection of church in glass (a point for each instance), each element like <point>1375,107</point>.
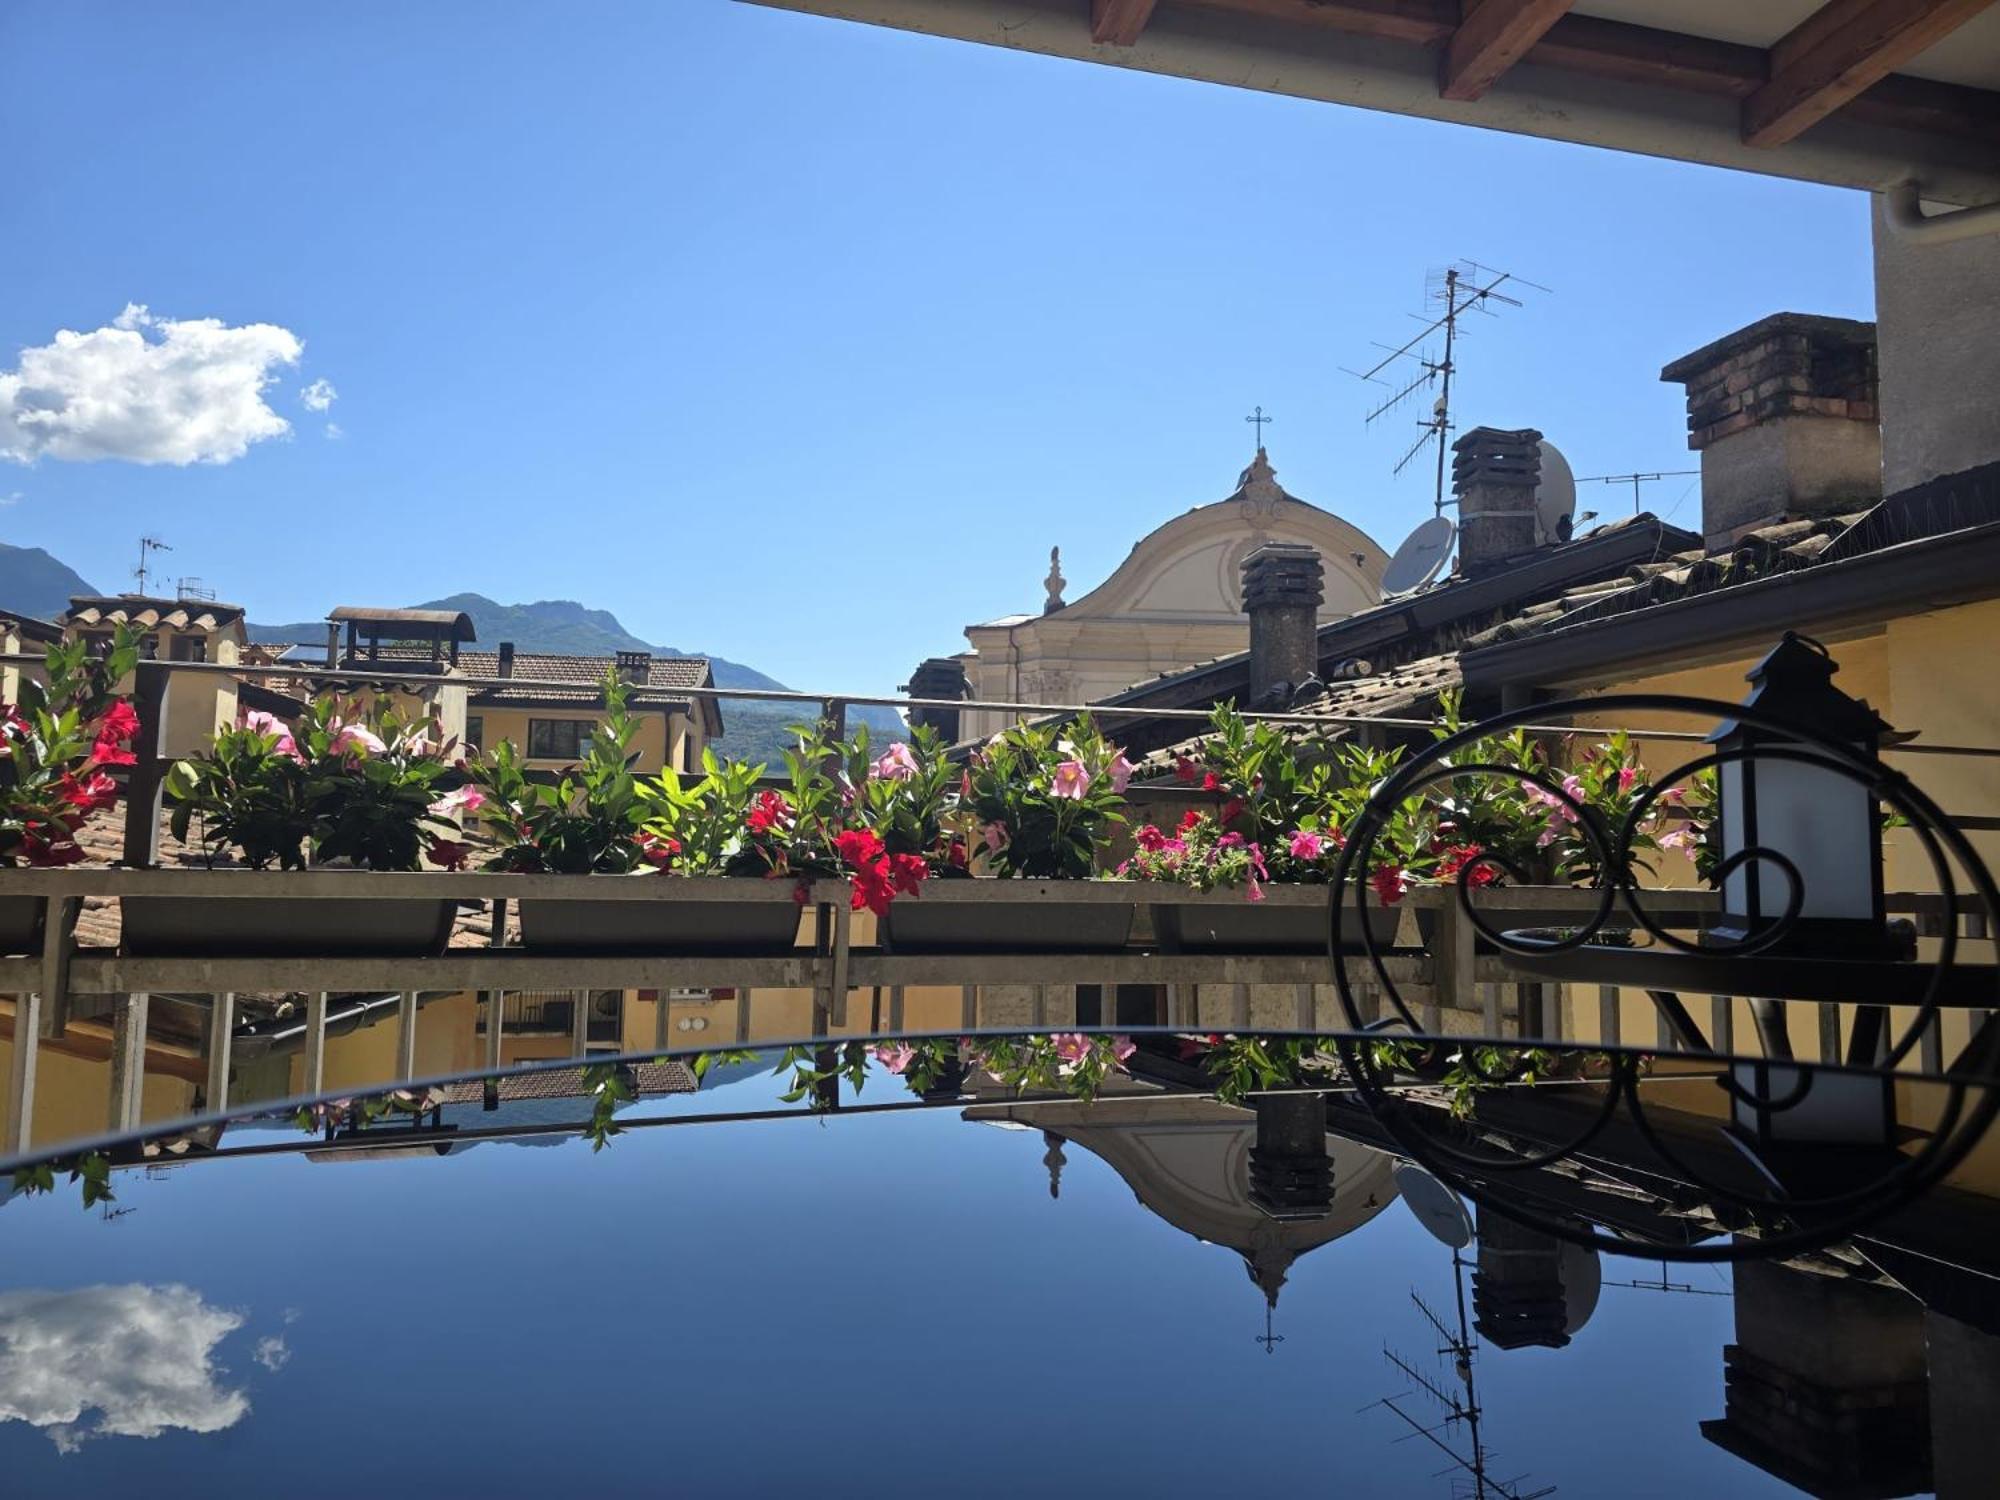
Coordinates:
<point>1246,1180</point>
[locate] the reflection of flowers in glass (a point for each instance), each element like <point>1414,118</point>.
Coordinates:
<point>895,1056</point>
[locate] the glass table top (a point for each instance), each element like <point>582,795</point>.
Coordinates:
<point>1161,1263</point>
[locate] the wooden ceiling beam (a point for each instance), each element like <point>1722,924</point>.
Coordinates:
<point>1119,22</point>
<point>1841,49</point>
<point>1494,35</point>
<point>1641,55</point>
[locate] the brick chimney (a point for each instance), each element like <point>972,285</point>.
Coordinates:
<point>506,666</point>
<point>1283,585</point>
<point>938,677</point>
<point>1494,474</point>
<point>1784,416</point>
<point>635,666</point>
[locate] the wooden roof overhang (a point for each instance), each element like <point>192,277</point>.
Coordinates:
<point>1870,94</point>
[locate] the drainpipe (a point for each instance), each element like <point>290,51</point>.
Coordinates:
<point>1904,213</point>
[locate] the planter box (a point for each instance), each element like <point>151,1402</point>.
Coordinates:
<point>20,925</point>
<point>1245,926</point>
<point>914,925</point>
<point>665,926</point>
<point>282,926</point>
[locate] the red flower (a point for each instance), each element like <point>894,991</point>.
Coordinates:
<point>1390,882</point>
<point>43,853</point>
<point>1150,839</point>
<point>802,892</point>
<point>872,891</point>
<point>955,856</point>
<point>1231,810</point>
<point>1194,1046</point>
<point>1458,856</point>
<point>907,872</point>
<point>858,846</point>
<point>86,796</point>
<point>771,813</point>
<point>1190,818</point>
<point>1184,769</point>
<point>1210,782</point>
<point>114,733</point>
<point>449,853</point>
<point>658,851</point>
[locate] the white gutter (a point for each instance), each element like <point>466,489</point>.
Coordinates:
<point>1903,212</point>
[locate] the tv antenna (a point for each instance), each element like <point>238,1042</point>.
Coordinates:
<point>1455,1394</point>
<point>1466,287</point>
<point>148,545</point>
<point>1635,480</point>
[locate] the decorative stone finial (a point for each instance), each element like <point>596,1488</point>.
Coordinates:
<point>1257,488</point>
<point>1054,582</point>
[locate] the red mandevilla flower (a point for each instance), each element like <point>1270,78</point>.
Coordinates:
<point>770,814</point>
<point>1231,810</point>
<point>1190,819</point>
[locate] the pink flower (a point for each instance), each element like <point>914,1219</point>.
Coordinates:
<point>994,836</point>
<point>1120,772</point>
<point>1680,838</point>
<point>1573,784</point>
<point>1122,1047</point>
<point>1306,845</point>
<point>1072,1047</point>
<point>894,764</point>
<point>353,737</point>
<point>467,799</point>
<point>895,1056</point>
<point>259,722</point>
<point>1072,780</point>
<point>1626,776</point>
<point>1674,795</point>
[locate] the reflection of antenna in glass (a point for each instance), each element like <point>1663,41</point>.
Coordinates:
<point>1459,289</point>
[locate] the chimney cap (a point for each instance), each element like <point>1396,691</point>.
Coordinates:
<point>1280,574</point>
<point>1816,329</point>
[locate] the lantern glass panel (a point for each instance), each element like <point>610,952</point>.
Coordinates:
<point>1825,824</point>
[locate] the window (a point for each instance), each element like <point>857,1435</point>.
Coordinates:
<point>475,732</point>
<point>189,648</point>
<point>559,739</point>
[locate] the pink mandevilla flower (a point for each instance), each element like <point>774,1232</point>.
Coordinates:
<point>895,1056</point>
<point>1072,1047</point>
<point>1122,1047</point>
<point>354,737</point>
<point>1120,772</point>
<point>467,799</point>
<point>1627,775</point>
<point>1072,780</point>
<point>1307,845</point>
<point>894,764</point>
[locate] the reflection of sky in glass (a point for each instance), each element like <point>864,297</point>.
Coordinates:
<point>866,1306</point>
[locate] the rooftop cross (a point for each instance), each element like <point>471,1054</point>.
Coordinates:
<point>1261,421</point>
<point>1268,1339</point>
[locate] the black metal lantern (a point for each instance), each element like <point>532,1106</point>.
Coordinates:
<point>1824,821</point>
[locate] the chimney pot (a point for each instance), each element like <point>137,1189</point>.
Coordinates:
<point>635,666</point>
<point>938,677</point>
<point>1494,474</point>
<point>506,666</point>
<point>1784,415</point>
<point>1283,586</point>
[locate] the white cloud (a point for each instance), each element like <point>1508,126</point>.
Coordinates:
<point>319,396</point>
<point>12,497</point>
<point>139,1357</point>
<point>147,390</point>
<point>335,430</point>
<point>272,1352</point>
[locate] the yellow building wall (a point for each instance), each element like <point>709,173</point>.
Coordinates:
<point>511,724</point>
<point>73,1095</point>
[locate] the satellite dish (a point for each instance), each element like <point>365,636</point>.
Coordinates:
<point>1417,561</point>
<point>1555,496</point>
<point>1436,1206</point>
<point>1583,1283</point>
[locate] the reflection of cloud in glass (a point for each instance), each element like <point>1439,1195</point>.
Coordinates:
<point>140,1357</point>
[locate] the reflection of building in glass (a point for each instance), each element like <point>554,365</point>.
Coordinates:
<point>1188,1159</point>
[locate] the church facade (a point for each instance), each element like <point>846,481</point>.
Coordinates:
<point>1176,600</point>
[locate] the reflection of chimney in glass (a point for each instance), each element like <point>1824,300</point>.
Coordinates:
<point>1827,1383</point>
<point>1291,1174</point>
<point>1517,1292</point>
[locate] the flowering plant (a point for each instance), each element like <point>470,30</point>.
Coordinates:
<point>1041,798</point>
<point>55,746</point>
<point>1198,854</point>
<point>347,784</point>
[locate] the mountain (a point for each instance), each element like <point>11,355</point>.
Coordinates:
<point>562,625</point>
<point>34,583</point>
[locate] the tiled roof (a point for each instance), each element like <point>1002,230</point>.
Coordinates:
<point>1955,503</point>
<point>549,677</point>
<point>149,614</point>
<point>666,1077</point>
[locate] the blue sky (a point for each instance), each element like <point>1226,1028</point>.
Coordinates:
<point>798,341</point>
